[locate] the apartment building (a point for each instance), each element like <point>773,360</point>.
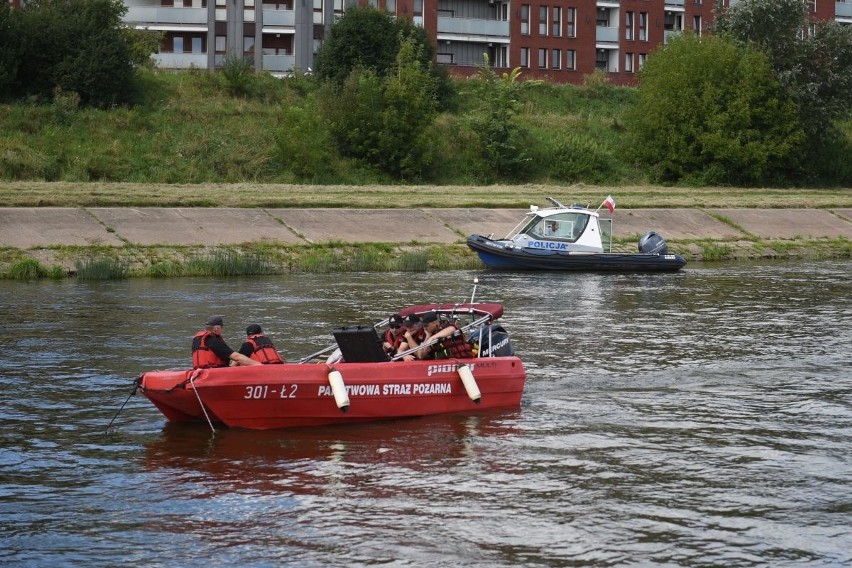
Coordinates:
<point>558,40</point>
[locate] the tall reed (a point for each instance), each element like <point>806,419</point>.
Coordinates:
<point>101,269</point>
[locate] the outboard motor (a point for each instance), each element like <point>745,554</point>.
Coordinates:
<point>500,345</point>
<point>653,243</point>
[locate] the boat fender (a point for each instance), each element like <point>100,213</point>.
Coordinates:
<point>469,383</point>
<point>338,389</point>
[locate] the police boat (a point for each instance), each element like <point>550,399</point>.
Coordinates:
<point>571,238</point>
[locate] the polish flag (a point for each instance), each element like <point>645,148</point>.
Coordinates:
<point>609,203</point>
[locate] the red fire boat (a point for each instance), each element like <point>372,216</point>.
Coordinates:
<point>366,385</point>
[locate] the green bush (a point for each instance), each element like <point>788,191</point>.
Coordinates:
<point>9,45</point>
<point>386,122</point>
<point>579,158</point>
<point>78,46</point>
<point>503,141</point>
<point>238,74</point>
<point>712,112</point>
<point>304,142</point>
<point>813,62</point>
<point>27,269</point>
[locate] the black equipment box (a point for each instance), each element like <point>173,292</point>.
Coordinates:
<point>360,344</point>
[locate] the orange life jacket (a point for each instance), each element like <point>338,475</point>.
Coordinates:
<point>263,350</point>
<point>202,356</point>
<point>452,347</point>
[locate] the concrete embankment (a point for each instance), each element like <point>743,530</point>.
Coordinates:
<point>31,229</point>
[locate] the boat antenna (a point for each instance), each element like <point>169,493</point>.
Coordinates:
<point>473,294</point>
<point>556,203</point>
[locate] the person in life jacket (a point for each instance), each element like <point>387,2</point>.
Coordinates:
<point>414,335</point>
<point>394,335</point>
<point>259,347</point>
<point>210,350</point>
<point>451,342</point>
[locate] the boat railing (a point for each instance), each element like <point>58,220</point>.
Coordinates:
<point>477,322</point>
<point>606,233</point>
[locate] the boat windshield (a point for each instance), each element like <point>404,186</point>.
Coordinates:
<point>566,226</point>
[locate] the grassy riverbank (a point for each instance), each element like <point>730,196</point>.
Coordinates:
<point>78,194</point>
<point>129,260</point>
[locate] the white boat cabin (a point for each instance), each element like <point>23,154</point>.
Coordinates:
<point>569,229</point>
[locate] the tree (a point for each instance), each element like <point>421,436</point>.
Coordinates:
<point>813,60</point>
<point>385,121</point>
<point>369,39</point>
<point>712,111</point>
<point>501,136</point>
<point>79,46</point>
<point>9,42</point>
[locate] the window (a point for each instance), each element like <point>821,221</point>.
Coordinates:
<point>556,25</point>
<point>571,60</point>
<point>628,62</point>
<point>221,45</point>
<point>643,26</point>
<point>542,58</point>
<point>562,226</point>
<point>556,59</point>
<point>628,26</point>
<point>390,6</point>
<point>196,45</point>
<point>696,24</point>
<point>525,57</point>
<point>248,45</point>
<point>177,44</point>
<point>445,58</point>
<point>542,20</point>
<point>812,6</point>
<point>601,59</point>
<point>525,19</point>
<point>642,57</point>
<point>571,17</point>
<point>603,18</point>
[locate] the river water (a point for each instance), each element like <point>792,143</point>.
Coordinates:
<point>695,419</point>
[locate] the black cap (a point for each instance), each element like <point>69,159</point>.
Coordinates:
<point>253,329</point>
<point>215,320</point>
<point>395,320</point>
<point>429,317</point>
<point>412,320</point>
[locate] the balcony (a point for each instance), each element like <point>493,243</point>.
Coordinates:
<point>674,2</point>
<point>279,18</point>
<point>669,34</point>
<point>180,60</point>
<point>843,9</point>
<point>165,15</point>
<point>279,63</point>
<point>606,34</point>
<point>474,28</point>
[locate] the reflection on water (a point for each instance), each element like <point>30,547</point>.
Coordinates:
<point>699,418</point>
